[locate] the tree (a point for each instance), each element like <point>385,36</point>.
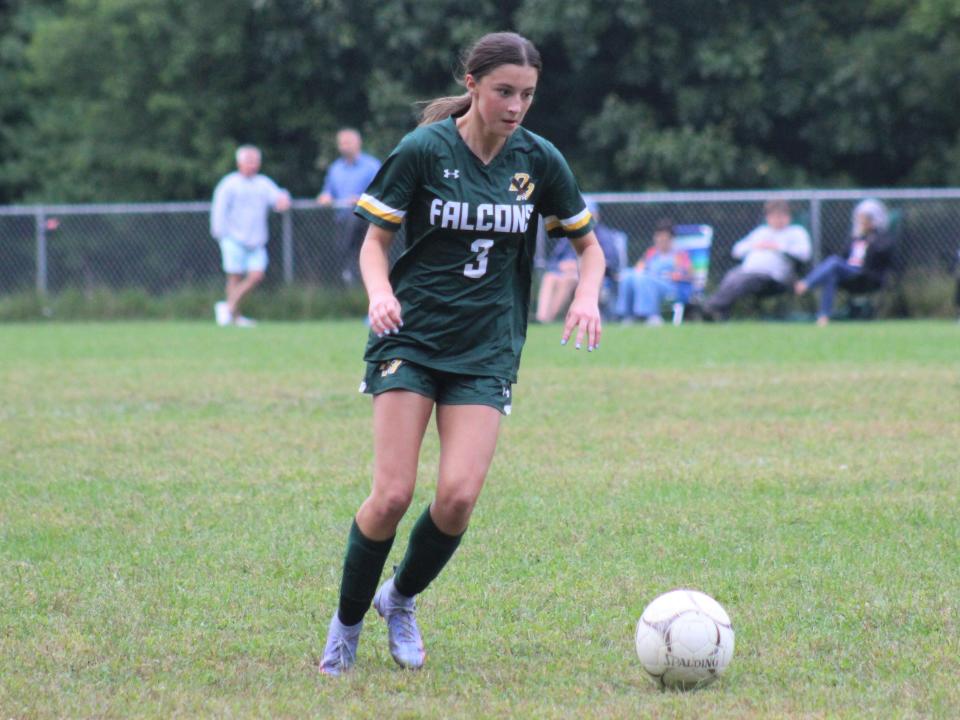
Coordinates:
<point>18,19</point>
<point>147,99</point>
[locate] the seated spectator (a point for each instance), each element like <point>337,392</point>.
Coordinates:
<point>560,278</point>
<point>864,262</point>
<point>658,277</point>
<point>558,282</point>
<point>768,256</point>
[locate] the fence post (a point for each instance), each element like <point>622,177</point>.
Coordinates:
<point>40,218</point>
<point>815,228</point>
<point>287,229</point>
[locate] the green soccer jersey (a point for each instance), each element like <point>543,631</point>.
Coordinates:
<point>463,281</point>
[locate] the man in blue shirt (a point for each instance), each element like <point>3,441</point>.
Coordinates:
<point>347,179</point>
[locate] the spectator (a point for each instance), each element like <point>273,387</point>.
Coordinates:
<point>768,255</point>
<point>956,297</point>
<point>562,274</point>
<point>558,281</point>
<point>658,276</point>
<point>347,178</point>
<point>862,266</point>
<point>238,220</point>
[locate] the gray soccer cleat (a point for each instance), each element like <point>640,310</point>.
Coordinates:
<point>340,653</point>
<point>406,643</point>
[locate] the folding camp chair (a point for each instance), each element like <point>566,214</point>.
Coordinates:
<point>696,241</point>
<point>608,290</point>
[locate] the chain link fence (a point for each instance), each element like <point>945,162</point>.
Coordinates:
<point>163,248</point>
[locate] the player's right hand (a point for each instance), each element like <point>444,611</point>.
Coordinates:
<point>384,314</point>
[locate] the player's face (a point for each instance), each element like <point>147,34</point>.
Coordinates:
<point>503,96</point>
<point>248,163</point>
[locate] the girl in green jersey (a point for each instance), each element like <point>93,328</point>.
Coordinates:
<point>449,319</point>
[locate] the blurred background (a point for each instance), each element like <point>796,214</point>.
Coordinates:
<point>118,103</point>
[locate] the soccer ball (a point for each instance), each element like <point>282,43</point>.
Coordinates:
<point>684,639</point>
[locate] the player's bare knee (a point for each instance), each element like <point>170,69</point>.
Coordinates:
<point>454,509</point>
<point>391,504</point>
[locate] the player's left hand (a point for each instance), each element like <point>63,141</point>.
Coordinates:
<point>584,316</point>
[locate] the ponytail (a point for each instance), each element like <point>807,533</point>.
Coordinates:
<point>443,107</point>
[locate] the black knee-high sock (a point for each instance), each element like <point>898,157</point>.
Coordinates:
<point>361,571</point>
<point>428,551</point>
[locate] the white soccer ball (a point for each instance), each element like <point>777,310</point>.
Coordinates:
<point>684,639</point>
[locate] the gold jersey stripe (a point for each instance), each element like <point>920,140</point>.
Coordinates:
<point>577,221</point>
<point>375,207</point>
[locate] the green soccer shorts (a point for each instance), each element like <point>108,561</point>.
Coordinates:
<point>443,387</point>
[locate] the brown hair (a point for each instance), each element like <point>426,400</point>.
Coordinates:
<point>484,56</point>
<point>664,225</point>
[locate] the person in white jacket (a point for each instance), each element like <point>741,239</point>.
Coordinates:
<point>768,255</point>
<point>238,220</point>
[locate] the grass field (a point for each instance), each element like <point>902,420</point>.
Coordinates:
<point>174,500</point>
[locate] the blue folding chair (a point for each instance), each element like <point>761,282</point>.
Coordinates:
<point>696,241</point>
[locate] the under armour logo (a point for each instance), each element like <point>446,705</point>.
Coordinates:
<point>455,174</point>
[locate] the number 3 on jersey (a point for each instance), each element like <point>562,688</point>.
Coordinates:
<point>481,248</point>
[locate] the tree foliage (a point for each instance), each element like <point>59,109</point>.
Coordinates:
<point>147,99</point>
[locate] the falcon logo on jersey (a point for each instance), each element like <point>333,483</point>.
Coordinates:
<point>389,367</point>
<point>521,184</point>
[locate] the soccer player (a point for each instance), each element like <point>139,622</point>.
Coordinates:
<point>238,220</point>
<point>448,321</point>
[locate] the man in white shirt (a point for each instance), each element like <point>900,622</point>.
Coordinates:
<point>238,220</point>
<point>768,255</point>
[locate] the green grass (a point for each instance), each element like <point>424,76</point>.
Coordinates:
<point>174,500</point>
<point>283,302</point>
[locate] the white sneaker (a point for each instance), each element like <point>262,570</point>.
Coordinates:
<point>340,652</point>
<point>654,320</point>
<point>221,311</point>
<point>406,643</point>
<point>245,322</point>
